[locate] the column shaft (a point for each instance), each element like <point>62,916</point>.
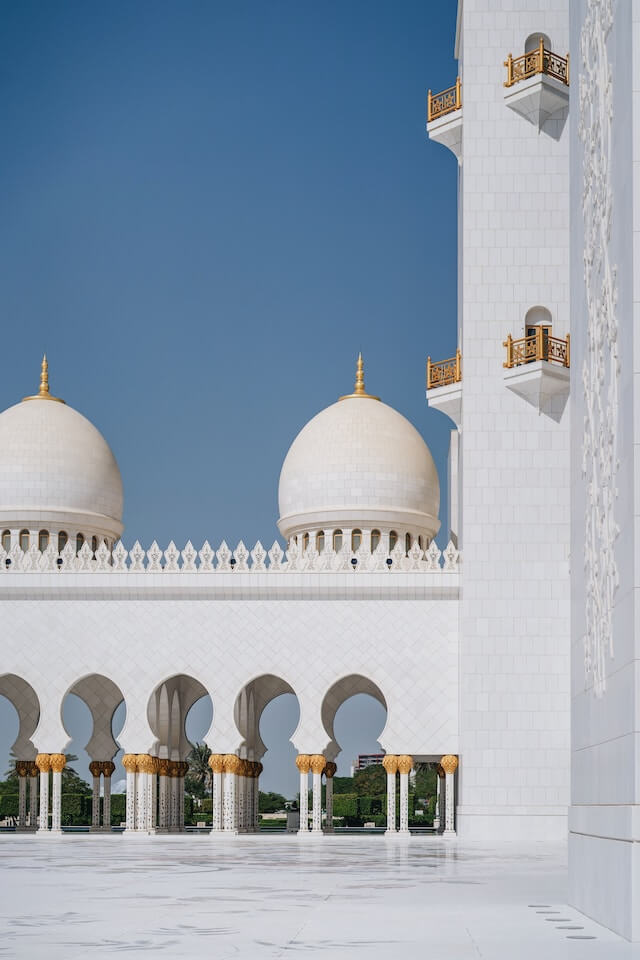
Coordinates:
<point>56,802</point>
<point>404,802</point>
<point>329,805</point>
<point>106,804</point>
<point>449,806</point>
<point>33,802</point>
<point>216,802</point>
<point>391,802</point>
<point>43,822</point>
<point>304,802</point>
<point>22,802</point>
<point>316,817</point>
<point>229,810</point>
<point>95,803</point>
<point>163,804</point>
<point>130,816</point>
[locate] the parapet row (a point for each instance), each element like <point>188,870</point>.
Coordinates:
<point>208,560</point>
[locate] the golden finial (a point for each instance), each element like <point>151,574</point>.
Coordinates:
<point>43,393</point>
<point>359,390</point>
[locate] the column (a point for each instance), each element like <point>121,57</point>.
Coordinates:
<point>329,772</point>
<point>130,764</point>
<point>22,769</point>
<point>108,768</point>
<point>95,769</point>
<point>58,761</point>
<point>163,798</point>
<point>249,796</point>
<point>43,764</point>
<point>303,763</point>
<point>33,796</point>
<point>152,793</point>
<point>405,763</point>
<point>182,772</point>
<point>256,794</point>
<point>449,765</point>
<point>437,812</point>
<point>216,762</point>
<point>229,807</point>
<point>241,794</point>
<point>318,763</point>
<point>174,803</point>
<point>390,763</point>
<point>141,792</point>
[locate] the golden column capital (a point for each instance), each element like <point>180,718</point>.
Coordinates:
<point>303,762</point>
<point>145,763</point>
<point>390,763</point>
<point>33,769</point>
<point>43,762</point>
<point>163,766</point>
<point>216,762</point>
<point>405,763</point>
<point>22,768</point>
<point>449,763</point>
<point>330,769</point>
<point>231,763</point>
<point>259,769</point>
<point>317,762</point>
<point>130,762</point>
<point>108,767</point>
<point>95,768</point>
<point>174,768</point>
<point>183,768</point>
<point>58,762</point>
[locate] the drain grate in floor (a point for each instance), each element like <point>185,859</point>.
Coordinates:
<point>580,936</point>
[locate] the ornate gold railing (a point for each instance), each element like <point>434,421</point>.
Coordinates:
<point>444,372</point>
<point>537,347</point>
<point>537,61</point>
<point>439,104</point>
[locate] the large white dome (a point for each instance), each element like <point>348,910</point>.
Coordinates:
<point>359,463</point>
<point>56,470</point>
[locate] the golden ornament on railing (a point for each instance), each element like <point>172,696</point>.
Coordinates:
<point>444,372</point>
<point>539,346</point>
<point>439,104</point>
<point>537,61</point>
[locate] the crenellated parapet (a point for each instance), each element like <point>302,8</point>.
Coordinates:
<point>294,559</point>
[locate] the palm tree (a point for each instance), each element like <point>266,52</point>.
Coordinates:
<point>199,769</point>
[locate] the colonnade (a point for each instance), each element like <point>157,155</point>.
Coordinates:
<point>27,777</point>
<point>155,794</point>
<point>98,768</point>
<point>235,793</point>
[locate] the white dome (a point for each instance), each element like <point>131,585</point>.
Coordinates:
<point>359,464</point>
<point>57,471</point>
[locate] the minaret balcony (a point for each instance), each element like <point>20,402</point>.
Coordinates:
<point>444,386</point>
<point>444,117</point>
<point>537,84</point>
<point>537,366</point>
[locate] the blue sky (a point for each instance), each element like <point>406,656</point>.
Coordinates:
<point>208,209</point>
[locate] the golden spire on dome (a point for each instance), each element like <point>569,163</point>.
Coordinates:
<point>359,390</point>
<point>43,393</point>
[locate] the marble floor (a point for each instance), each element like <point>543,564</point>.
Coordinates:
<point>264,897</point>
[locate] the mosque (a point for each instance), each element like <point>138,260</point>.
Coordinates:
<point>510,657</point>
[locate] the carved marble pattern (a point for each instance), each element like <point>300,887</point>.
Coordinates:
<point>601,368</point>
<point>242,560</point>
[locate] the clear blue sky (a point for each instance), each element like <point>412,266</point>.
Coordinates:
<point>208,209</point>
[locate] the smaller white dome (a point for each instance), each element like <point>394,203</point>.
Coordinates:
<point>359,464</point>
<point>57,470</point>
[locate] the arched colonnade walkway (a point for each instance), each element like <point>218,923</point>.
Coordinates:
<point>155,778</point>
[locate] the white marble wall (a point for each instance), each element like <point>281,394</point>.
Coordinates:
<point>406,647</point>
<point>514,653</point>
<point>604,839</point>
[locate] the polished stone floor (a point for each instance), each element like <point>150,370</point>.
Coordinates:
<point>265,897</point>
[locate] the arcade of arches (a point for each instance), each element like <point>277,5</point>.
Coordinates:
<point>155,779</point>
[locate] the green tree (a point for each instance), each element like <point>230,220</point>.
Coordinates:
<point>198,780</point>
<point>71,781</point>
<point>370,782</point>
<point>270,802</point>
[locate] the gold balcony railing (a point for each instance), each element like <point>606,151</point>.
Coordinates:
<point>444,372</point>
<point>539,346</point>
<point>536,61</point>
<point>439,104</point>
